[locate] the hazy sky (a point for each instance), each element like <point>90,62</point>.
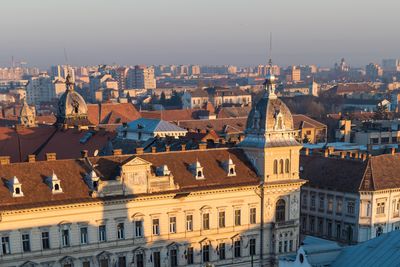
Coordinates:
<point>198,32</point>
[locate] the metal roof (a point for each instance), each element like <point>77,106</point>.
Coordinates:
<point>153,126</point>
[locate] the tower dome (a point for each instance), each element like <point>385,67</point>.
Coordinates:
<point>72,108</point>
<point>27,116</point>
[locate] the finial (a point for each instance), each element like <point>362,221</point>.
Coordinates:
<point>68,82</point>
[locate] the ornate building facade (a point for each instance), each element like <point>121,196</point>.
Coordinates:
<point>220,207</point>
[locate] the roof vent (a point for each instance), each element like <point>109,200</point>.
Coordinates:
<point>55,184</point>
<point>16,187</point>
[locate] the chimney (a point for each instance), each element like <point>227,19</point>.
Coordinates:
<point>183,146</point>
<point>153,149</point>
<point>356,155</point>
<point>167,148</point>
<point>117,152</point>
<point>349,155</point>
<point>393,150</point>
<point>331,149</point>
<point>31,158</point>
<point>139,150</point>
<point>84,153</point>
<point>326,153</point>
<point>342,154</point>
<point>202,146</point>
<point>4,160</point>
<point>51,156</point>
<point>306,151</point>
<point>222,141</point>
<point>364,156</point>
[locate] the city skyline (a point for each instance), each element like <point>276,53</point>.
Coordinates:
<point>205,33</point>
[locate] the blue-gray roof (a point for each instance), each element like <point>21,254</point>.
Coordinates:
<point>153,125</point>
<point>381,251</point>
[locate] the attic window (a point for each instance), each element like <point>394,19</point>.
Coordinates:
<point>198,170</point>
<point>163,171</point>
<point>229,167</point>
<point>16,187</point>
<point>55,184</point>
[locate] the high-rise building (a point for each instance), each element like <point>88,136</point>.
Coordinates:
<point>40,89</point>
<point>390,65</point>
<point>194,70</point>
<point>141,77</point>
<point>373,71</point>
<point>61,71</point>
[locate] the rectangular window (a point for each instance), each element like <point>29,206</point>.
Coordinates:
<point>156,226</point>
<point>189,222</point>
<point>350,207</point>
<point>329,229</point>
<point>280,247</point>
<point>65,237</point>
<point>139,260</point>
<point>304,200</point>
<point>84,235</point>
<point>26,243</point>
<point>189,255</point>
<point>206,253</point>
<point>394,140</point>
<point>45,240</point>
<point>338,229</point>
<point>102,233</point>
<point>221,251</point>
<point>221,219</point>
<point>5,245</point>
<point>330,204</point>
<point>121,261</point>
<point>339,203</point>
<point>173,257</point>
<point>237,217</point>
<point>320,226</point>
<point>156,259</point>
<point>237,248</point>
<point>121,231</point>
<point>290,245</point>
<point>312,202</point>
<point>321,203</point>
<point>380,208</point>
<point>138,228</point>
<point>252,247</point>
<point>312,224</point>
<point>172,225</point>
<point>86,264</point>
<point>285,246</point>
<point>253,215</point>
<point>206,221</point>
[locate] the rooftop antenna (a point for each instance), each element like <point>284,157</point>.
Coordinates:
<point>65,56</point>
<point>270,49</point>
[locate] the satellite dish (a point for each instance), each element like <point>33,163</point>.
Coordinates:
<point>96,152</point>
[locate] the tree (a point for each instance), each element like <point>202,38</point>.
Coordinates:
<point>175,100</point>
<point>163,100</point>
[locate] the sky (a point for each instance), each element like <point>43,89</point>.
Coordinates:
<point>206,32</point>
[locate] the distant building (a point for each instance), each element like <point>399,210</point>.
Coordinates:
<point>293,74</point>
<point>194,70</point>
<point>141,77</point>
<point>292,90</point>
<point>373,71</point>
<point>27,116</point>
<point>40,89</point>
<point>390,65</point>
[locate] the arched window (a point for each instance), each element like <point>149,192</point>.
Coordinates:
<point>281,166</point>
<point>199,174</point>
<point>280,210</point>
<point>17,191</point>
<point>287,167</point>
<point>275,167</point>
<point>231,171</point>
<point>56,187</point>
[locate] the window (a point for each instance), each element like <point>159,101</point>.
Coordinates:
<point>329,229</point>
<point>189,222</point>
<point>367,209</point>
<point>121,231</point>
<point>84,235</point>
<point>339,203</point>
<point>321,202</point>
<point>156,226</point>
<point>26,243</point>
<point>65,237</point>
<point>379,231</point>
<point>374,140</point>
<point>221,251</point>
<point>275,167</point>
<point>350,207</point>
<point>385,140</point>
<point>253,215</point>
<point>320,226</point>
<point>304,201</point>
<point>312,224</point>
<point>173,257</point>
<point>206,253</point>
<point>206,221</point>
<point>281,166</point>
<point>189,255</point>
<point>5,245</point>
<point>252,247</point>
<point>330,204</point>
<point>290,245</point>
<point>156,259</point>
<point>86,264</point>
<point>45,240</point>
<point>394,139</point>
<point>285,246</point>
<point>312,201</point>
<point>237,248</point>
<point>237,217</point>
<point>121,261</point>
<point>139,260</point>
<point>338,231</point>
<point>102,233</point>
<point>172,225</point>
<point>287,167</point>
<point>380,208</point>
<point>280,247</point>
<point>280,211</point>
<point>221,219</point>
<point>138,228</point>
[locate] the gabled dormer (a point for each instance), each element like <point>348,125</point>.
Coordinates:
<point>229,167</point>
<point>16,187</point>
<point>197,170</point>
<point>92,180</point>
<point>55,184</point>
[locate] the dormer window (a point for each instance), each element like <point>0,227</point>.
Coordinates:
<point>92,179</point>
<point>55,184</point>
<point>198,170</point>
<point>163,171</point>
<point>16,187</point>
<point>229,167</point>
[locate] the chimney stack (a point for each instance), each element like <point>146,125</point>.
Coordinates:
<point>202,146</point>
<point>326,153</point>
<point>117,152</point>
<point>139,150</point>
<point>342,154</point>
<point>183,146</point>
<point>393,150</point>
<point>153,149</point>
<point>51,156</point>
<point>4,160</point>
<point>167,148</point>
<point>306,151</point>
<point>31,158</point>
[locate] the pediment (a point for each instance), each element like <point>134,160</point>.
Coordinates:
<point>135,162</point>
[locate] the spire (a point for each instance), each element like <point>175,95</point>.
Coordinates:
<point>269,82</point>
